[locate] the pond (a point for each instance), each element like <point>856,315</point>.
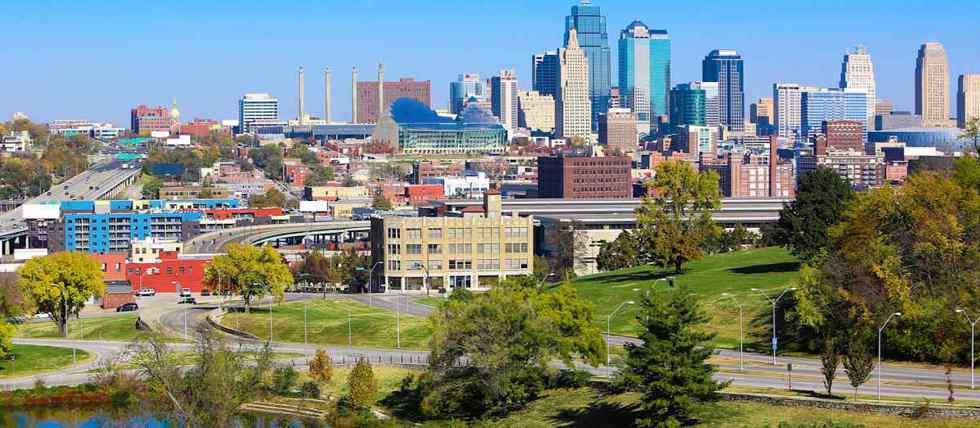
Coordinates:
<point>103,417</point>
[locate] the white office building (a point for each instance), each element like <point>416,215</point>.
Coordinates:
<point>858,72</point>
<point>255,109</point>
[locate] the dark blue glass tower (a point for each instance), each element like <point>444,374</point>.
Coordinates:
<point>590,24</point>
<point>725,67</point>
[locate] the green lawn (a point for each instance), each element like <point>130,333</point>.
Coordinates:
<point>737,272</point>
<point>327,324</point>
<point>430,301</point>
<point>33,359</point>
<point>115,327</point>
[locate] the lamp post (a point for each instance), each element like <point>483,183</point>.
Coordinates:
<point>773,302</point>
<point>305,304</point>
<point>973,332</point>
<point>740,337</point>
<point>609,326</point>
<point>398,325</point>
<point>371,276</point>
<point>898,314</point>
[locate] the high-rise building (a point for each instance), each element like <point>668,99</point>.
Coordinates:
<point>504,101</point>
<point>659,73</point>
<point>687,105</point>
<point>634,70</point>
<point>466,86</point>
<point>367,96</point>
<point>536,111</point>
<point>256,109</point>
<point>967,99</point>
<point>725,67</point>
<point>614,98</point>
<point>760,112</point>
<point>145,120</point>
<point>787,100</point>
<point>883,107</point>
<point>590,27</point>
<point>816,107</point>
<point>573,108</point>
<point>617,130</point>
<point>858,72</point>
<point>544,73</point>
<point>932,85</point>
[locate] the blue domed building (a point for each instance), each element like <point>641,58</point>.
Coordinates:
<point>415,129</point>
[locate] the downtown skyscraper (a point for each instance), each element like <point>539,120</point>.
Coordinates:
<point>932,85</point>
<point>725,67</point>
<point>644,71</point>
<point>858,72</point>
<point>573,109</point>
<point>503,101</point>
<point>466,86</point>
<point>590,26</point>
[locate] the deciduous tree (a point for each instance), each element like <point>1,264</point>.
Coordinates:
<point>59,284</point>
<point>250,271</point>
<point>858,364</point>
<point>362,385</point>
<point>321,369</point>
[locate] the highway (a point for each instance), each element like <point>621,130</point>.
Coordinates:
<point>214,242</point>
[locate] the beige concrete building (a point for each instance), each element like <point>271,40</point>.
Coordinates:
<point>335,193</point>
<point>760,112</point>
<point>932,85</point>
<point>536,111</point>
<point>617,130</point>
<point>193,192</point>
<point>475,251</point>
<point>148,250</point>
<point>967,99</point>
<point>573,108</point>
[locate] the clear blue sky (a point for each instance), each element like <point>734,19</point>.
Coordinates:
<point>94,60</point>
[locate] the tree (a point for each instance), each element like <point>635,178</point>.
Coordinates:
<point>151,187</point>
<point>858,364</point>
<point>321,369</point>
<point>319,175</point>
<point>13,302</point>
<point>491,352</point>
<point>59,284</point>
<point>362,385</point>
<point>568,246</point>
<point>250,271</point>
<point>670,367</point>
<point>271,198</point>
<point>542,269</point>
<point>284,379</point>
<point>623,252</point>
<point>966,172</point>
<point>673,226</point>
<point>972,133</point>
<point>380,202</point>
<point>820,202</point>
<point>829,360</point>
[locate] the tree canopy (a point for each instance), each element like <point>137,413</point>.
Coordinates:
<point>59,284</point>
<point>820,202</point>
<point>249,271</point>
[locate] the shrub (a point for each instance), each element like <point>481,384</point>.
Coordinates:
<point>283,379</point>
<point>321,369</point>
<point>363,388</point>
<point>310,389</point>
<point>570,379</point>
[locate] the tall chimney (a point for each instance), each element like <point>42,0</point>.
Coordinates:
<point>301,95</point>
<point>326,95</point>
<point>353,95</point>
<point>381,91</point>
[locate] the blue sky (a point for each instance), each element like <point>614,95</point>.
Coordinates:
<point>94,60</point>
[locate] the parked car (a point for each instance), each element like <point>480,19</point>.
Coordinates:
<point>185,292</point>
<point>146,292</point>
<point>205,292</point>
<point>127,307</point>
<point>188,299</point>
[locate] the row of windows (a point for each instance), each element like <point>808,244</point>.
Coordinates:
<point>520,247</point>
<point>170,270</point>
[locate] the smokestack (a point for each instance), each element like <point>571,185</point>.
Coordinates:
<point>353,95</point>
<point>381,91</point>
<point>326,95</point>
<point>301,94</point>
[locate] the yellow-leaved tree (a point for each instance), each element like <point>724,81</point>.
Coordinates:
<point>59,284</point>
<point>249,271</point>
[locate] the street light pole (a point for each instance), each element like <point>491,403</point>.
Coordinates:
<point>973,334</point>
<point>305,322</point>
<point>879,349</point>
<point>398,325</point>
<point>740,336</point>
<point>773,302</point>
<point>609,327</point>
<point>370,282</point>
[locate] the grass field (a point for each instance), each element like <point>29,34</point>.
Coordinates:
<point>327,324</point>
<point>33,359</point>
<point>736,273</point>
<point>117,327</point>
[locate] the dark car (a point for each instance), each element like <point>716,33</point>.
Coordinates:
<point>188,300</point>
<point>127,307</point>
<point>205,292</point>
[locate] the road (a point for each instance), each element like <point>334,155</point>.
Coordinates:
<point>898,380</point>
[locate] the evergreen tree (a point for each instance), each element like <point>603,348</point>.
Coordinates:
<point>820,202</point>
<point>670,367</point>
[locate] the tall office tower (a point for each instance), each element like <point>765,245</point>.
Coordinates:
<point>967,99</point>
<point>858,72</point>
<point>725,67</point>
<point>536,111</point>
<point>466,85</point>
<point>255,108</point>
<point>326,94</point>
<point>824,105</point>
<point>590,26</point>
<point>504,101</point>
<point>353,95</point>
<point>687,105</point>
<point>544,73</point>
<point>634,70</point>
<point>932,85</point>
<point>659,74</point>
<point>760,112</point>
<point>573,107</point>
<point>299,116</point>
<point>614,98</point>
<point>787,99</point>
<point>618,131</point>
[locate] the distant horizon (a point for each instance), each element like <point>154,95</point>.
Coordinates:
<point>91,61</point>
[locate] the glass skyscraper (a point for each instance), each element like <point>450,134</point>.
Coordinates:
<point>659,73</point>
<point>831,104</point>
<point>725,67</point>
<point>468,85</point>
<point>687,105</point>
<point>634,70</point>
<point>590,24</point>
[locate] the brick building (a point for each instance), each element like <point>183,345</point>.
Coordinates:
<point>367,96</point>
<point>584,177</point>
<point>844,134</point>
<point>168,273</point>
<point>145,120</point>
<point>420,193</point>
<point>617,130</point>
<point>199,128</point>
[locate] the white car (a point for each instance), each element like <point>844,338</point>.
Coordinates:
<point>146,292</point>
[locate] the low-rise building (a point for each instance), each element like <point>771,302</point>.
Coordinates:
<point>585,177</point>
<point>193,192</point>
<point>15,142</point>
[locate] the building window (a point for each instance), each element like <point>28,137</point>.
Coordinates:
<point>435,233</point>
<point>435,249</point>
<point>488,248</point>
<point>394,249</point>
<point>460,264</point>
<point>394,265</point>
<point>413,234</point>
<point>394,233</point>
<point>413,249</point>
<point>517,247</point>
<point>514,264</point>
<point>435,265</point>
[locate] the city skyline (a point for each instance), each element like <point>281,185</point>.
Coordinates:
<point>207,62</point>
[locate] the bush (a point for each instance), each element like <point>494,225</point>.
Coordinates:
<point>310,389</point>
<point>363,388</point>
<point>321,369</point>
<point>283,380</point>
<point>570,379</point>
